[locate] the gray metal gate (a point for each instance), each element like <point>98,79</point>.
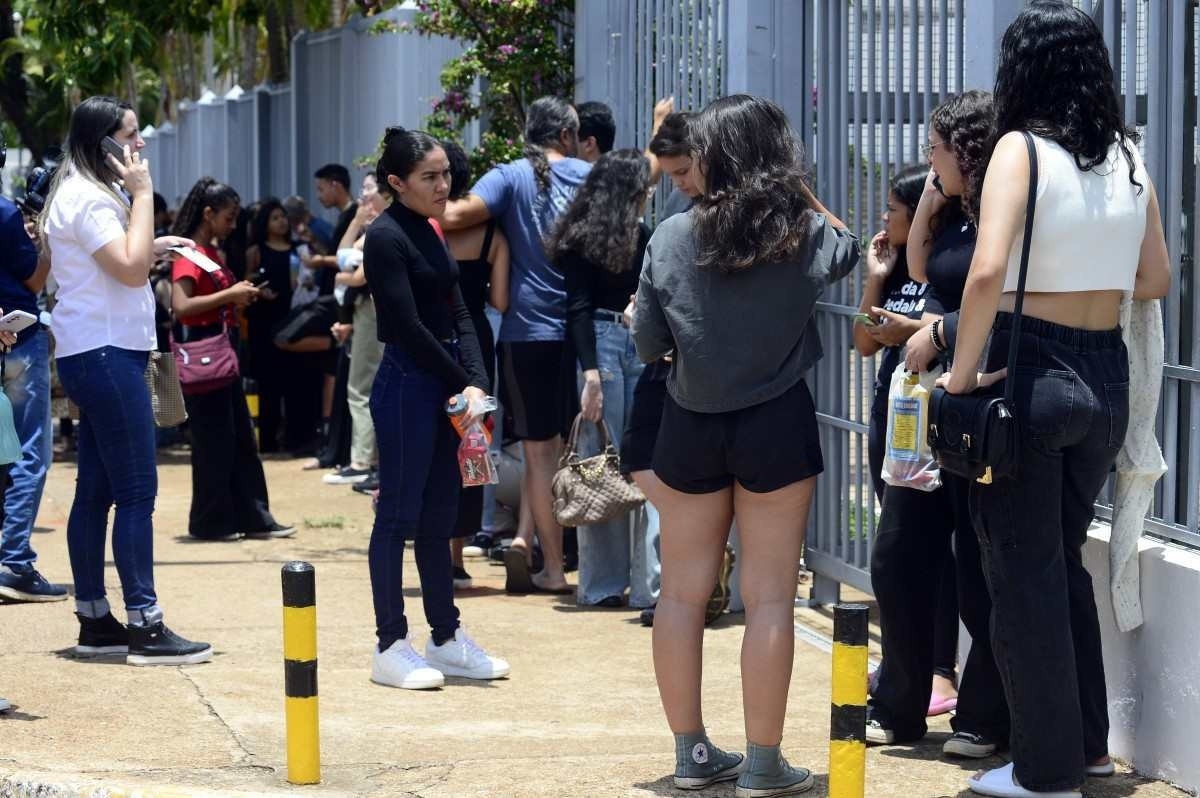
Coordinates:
<point>631,54</point>
<point>879,69</point>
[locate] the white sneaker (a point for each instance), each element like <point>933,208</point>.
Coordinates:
<point>401,666</point>
<point>462,656</point>
<point>4,705</point>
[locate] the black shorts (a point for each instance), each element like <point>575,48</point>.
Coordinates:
<point>645,419</point>
<point>531,389</point>
<point>764,447</point>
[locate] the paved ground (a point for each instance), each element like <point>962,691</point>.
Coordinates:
<point>579,717</point>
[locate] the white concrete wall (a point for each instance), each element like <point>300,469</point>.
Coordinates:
<point>1153,673</point>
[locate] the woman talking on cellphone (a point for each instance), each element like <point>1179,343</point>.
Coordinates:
<point>99,227</point>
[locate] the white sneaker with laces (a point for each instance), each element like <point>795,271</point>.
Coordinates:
<point>401,666</point>
<point>463,657</point>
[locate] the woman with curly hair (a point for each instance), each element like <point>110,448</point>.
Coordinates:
<point>598,245</point>
<point>1097,240</point>
<point>913,542</point>
<point>730,287</point>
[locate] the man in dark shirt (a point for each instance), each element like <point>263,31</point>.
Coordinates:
<point>333,191</point>
<point>26,382</point>
<point>597,130</point>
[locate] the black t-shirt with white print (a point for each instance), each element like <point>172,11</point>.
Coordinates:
<point>903,295</point>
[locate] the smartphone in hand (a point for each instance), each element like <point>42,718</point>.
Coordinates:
<point>110,146</point>
<point>16,320</point>
<point>865,320</point>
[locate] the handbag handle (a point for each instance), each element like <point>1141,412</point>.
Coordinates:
<point>1030,207</point>
<point>572,449</point>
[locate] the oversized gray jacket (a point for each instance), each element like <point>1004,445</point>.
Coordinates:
<point>739,339</point>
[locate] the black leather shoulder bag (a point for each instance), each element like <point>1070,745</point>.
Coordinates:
<point>976,435</point>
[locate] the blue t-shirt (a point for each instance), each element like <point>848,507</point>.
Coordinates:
<point>17,263</point>
<point>537,306</point>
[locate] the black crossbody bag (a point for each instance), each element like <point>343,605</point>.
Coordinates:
<point>976,435</point>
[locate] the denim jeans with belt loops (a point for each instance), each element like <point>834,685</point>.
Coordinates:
<point>1072,404</point>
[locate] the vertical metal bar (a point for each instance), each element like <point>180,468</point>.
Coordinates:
<point>823,67</point>
<point>872,98</point>
<point>843,115</point>
<point>927,28</point>
<point>960,45</point>
<point>886,106</point>
<point>914,75</point>
<point>1131,56</point>
<point>944,50</point>
<point>898,54</point>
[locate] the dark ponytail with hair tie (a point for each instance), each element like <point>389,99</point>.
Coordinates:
<point>402,151</point>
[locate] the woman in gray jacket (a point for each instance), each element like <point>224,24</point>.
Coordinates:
<point>730,287</point>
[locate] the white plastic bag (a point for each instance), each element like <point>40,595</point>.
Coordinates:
<point>907,459</point>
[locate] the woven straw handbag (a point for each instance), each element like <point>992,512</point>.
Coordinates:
<point>166,395</point>
<point>592,490</point>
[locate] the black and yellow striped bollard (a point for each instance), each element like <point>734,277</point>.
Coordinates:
<point>848,713</point>
<point>300,673</point>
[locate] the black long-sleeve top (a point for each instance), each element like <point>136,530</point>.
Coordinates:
<point>591,287</point>
<point>417,299</point>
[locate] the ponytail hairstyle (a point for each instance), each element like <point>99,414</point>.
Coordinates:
<point>755,207</point>
<point>545,120</point>
<point>207,193</point>
<point>92,120</point>
<point>601,223</point>
<point>402,151</point>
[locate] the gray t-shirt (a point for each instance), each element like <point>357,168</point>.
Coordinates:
<point>740,339</point>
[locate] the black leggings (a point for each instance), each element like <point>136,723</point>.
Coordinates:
<point>907,564</point>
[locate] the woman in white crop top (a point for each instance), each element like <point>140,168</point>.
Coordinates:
<point>99,227</point>
<point>1097,235</point>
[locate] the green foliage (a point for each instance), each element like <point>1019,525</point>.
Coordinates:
<point>97,47</point>
<point>517,51</point>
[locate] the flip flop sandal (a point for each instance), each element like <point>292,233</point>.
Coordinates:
<point>940,706</point>
<point>553,591</point>
<point>517,580</point>
<point>1002,783</point>
<point>1102,771</point>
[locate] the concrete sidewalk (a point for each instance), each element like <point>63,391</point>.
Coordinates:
<point>579,717</point>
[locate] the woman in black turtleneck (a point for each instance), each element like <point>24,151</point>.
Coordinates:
<point>431,353</point>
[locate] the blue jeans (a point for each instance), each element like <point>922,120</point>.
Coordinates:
<point>27,385</point>
<point>115,449</point>
<point>419,483</point>
<point>621,553</point>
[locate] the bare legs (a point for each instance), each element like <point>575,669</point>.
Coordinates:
<point>537,512</point>
<point>694,531</point>
<point>772,535</point>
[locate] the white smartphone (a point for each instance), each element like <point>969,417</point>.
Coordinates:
<point>16,320</point>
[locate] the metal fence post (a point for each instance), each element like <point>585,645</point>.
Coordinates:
<point>986,21</point>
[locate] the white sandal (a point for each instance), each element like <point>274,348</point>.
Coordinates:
<point>1102,771</point>
<point>1002,783</point>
